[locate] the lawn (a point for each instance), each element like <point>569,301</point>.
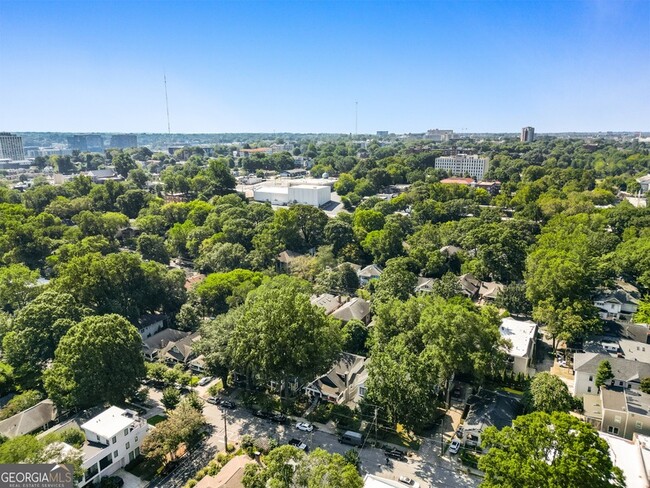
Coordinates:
<point>156,419</point>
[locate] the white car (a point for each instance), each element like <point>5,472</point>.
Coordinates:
<point>204,381</point>
<point>454,447</point>
<point>304,426</point>
<point>408,481</point>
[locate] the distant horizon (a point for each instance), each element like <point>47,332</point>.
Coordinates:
<point>342,134</point>
<point>325,67</point>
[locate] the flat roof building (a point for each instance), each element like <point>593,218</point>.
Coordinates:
<point>527,134</point>
<point>122,141</point>
<point>464,164</point>
<point>11,147</point>
<point>315,195</point>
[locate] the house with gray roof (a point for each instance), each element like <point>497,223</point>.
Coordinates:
<point>344,383</point>
<point>29,420</point>
<point>152,346</point>
<point>619,411</point>
<point>355,309</point>
<point>488,409</point>
<point>370,272</point>
<point>620,303</point>
<point>627,373</point>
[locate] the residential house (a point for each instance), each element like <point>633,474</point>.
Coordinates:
<point>370,272</point>
<point>490,290</point>
<point>424,285</point>
<point>627,373</point>
<point>620,303</point>
<point>469,285</point>
<point>450,251</point>
<point>230,476</point>
<point>150,324</point>
<point>355,309</point>
<point>198,364</point>
<point>344,384</point>
<point>355,267</point>
<point>644,183</point>
<point>294,173</point>
<point>30,420</point>
<point>488,409</point>
<point>284,260</point>
<point>113,440</point>
<point>632,457</point>
<point>181,351</point>
<point>152,346</point>
<point>618,411</point>
<point>619,347</point>
<point>103,175</point>
<point>522,334</point>
<point>327,302</point>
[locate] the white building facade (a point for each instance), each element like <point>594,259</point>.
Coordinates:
<point>463,164</point>
<point>11,147</point>
<point>113,440</point>
<point>315,195</point>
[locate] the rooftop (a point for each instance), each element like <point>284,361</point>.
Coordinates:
<point>520,333</point>
<point>110,422</point>
<point>629,456</point>
<point>357,308</point>
<point>623,369</point>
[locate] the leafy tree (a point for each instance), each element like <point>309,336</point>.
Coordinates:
<point>281,336</point>
<point>548,393</point>
<point>98,360</point>
<point>355,335</point>
<point>132,202</point>
<point>16,286</point>
<point>642,314</point>
<point>152,247</point>
<point>223,257</point>
<point>35,333</point>
<point>288,466</point>
<point>513,299</point>
<point>542,450</point>
<point>397,281</point>
<point>342,279</point>
<point>188,318</point>
<point>215,337</point>
<point>447,286</point>
<point>20,402</point>
<point>219,291</point>
<point>171,397</point>
<point>182,426</point>
<point>645,385</point>
<point>604,373</point>
<point>123,164</point>
<point>384,244</point>
<point>339,234</point>
<point>138,177</point>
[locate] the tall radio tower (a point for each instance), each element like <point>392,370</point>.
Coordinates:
<point>169,127</point>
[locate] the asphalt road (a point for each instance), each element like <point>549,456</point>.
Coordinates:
<point>425,466</point>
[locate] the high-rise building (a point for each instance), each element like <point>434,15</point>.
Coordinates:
<point>527,134</point>
<point>463,164</point>
<point>86,142</point>
<point>439,135</point>
<point>122,141</point>
<point>11,147</point>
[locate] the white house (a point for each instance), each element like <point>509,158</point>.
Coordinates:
<point>315,195</point>
<point>113,440</point>
<point>619,304</point>
<point>627,373</point>
<point>523,335</point>
<point>370,272</point>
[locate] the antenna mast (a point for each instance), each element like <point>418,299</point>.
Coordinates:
<point>169,128</point>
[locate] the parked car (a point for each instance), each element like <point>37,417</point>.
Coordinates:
<point>214,400</point>
<point>204,381</point>
<point>299,444</point>
<point>305,426</point>
<point>408,481</point>
<point>454,447</point>
<point>263,414</point>
<point>279,418</point>
<point>396,454</point>
<point>228,404</point>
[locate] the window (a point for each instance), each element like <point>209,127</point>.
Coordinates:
<point>620,383</point>
<point>589,389</point>
<point>612,430</point>
<point>126,432</point>
<point>116,454</point>
<point>114,440</point>
<point>136,438</point>
<point>629,385</point>
<point>639,425</point>
<point>617,419</point>
<point>128,445</point>
<point>591,378</point>
<point>131,456</point>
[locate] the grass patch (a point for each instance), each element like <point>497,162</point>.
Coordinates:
<point>143,468</point>
<point>511,390</point>
<point>156,419</point>
<point>400,437</point>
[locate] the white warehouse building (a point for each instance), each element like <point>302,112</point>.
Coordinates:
<point>315,195</point>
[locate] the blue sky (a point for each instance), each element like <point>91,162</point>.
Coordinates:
<point>245,66</point>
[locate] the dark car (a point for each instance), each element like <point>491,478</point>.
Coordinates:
<point>262,414</point>
<point>228,404</point>
<point>395,454</point>
<point>279,418</point>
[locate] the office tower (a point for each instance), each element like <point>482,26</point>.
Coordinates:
<point>86,142</point>
<point>11,147</point>
<point>122,141</point>
<point>527,134</point>
<point>463,164</point>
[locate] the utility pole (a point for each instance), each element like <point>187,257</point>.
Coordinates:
<point>375,421</point>
<point>225,431</point>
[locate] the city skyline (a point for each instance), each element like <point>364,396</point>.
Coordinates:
<point>302,67</point>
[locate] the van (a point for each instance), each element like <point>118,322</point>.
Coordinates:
<point>351,438</point>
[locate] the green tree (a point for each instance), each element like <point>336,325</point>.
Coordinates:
<point>152,247</point>
<point>182,426</point>
<point>98,360</point>
<point>548,393</point>
<point>16,286</point>
<point>123,164</point>
<point>397,281</point>
<point>542,450</point>
<point>281,336</point>
<point>355,335</point>
<point>645,385</point>
<point>132,202</point>
<point>171,397</point>
<point>219,291</point>
<point>513,299</point>
<point>36,331</point>
<point>642,314</point>
<point>20,402</point>
<point>604,374</point>
<point>223,257</point>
